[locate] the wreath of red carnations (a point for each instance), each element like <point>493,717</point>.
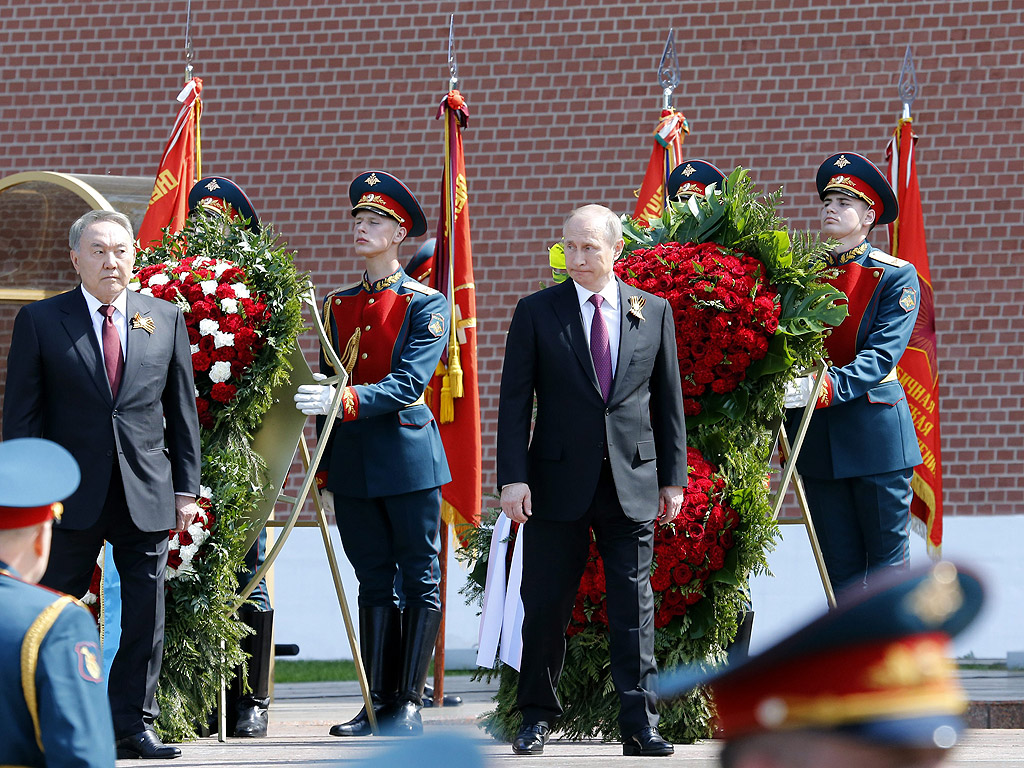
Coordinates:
<point>687,552</point>
<point>224,319</point>
<point>725,311</point>
<point>183,546</point>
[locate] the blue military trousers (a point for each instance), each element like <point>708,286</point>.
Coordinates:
<point>388,535</point>
<point>862,523</point>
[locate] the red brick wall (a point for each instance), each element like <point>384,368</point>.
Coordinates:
<point>302,95</point>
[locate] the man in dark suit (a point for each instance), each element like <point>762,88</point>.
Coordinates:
<point>107,373</point>
<point>608,452</point>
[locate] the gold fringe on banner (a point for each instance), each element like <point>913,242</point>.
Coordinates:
<point>927,495</point>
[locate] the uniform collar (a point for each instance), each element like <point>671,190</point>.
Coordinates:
<point>853,254</point>
<point>384,282</point>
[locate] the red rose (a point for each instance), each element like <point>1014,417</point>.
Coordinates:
<point>223,392</point>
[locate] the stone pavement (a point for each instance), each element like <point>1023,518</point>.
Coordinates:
<point>302,713</point>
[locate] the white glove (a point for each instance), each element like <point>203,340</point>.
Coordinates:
<point>798,392</point>
<point>327,502</point>
<point>314,399</point>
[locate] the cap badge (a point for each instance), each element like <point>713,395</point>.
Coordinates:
<point>689,170</point>
<point>213,185</point>
<point>842,162</point>
<point>938,597</point>
<point>841,180</point>
<point>372,180</point>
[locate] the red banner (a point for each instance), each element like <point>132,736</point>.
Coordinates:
<point>918,369</point>
<point>454,391</point>
<point>168,205</point>
<point>667,154</point>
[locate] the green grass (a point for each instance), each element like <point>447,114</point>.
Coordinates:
<point>323,671</point>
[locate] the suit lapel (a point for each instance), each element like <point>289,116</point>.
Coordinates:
<point>629,333</point>
<point>567,309</point>
<point>79,327</point>
<point>136,341</point>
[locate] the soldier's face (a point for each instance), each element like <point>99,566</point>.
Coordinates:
<point>374,233</point>
<point>104,259</point>
<point>843,216</point>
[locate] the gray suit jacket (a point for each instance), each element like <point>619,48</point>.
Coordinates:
<point>57,389</point>
<point>546,353</point>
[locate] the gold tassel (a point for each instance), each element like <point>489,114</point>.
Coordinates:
<point>351,353</point>
<point>455,371</point>
<point>447,403</point>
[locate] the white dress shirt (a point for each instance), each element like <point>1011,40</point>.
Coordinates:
<point>120,317</point>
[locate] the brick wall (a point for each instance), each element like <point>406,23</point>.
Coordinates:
<point>302,95</point>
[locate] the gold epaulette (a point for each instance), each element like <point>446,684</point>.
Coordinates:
<point>885,258</point>
<point>419,287</point>
<point>336,291</point>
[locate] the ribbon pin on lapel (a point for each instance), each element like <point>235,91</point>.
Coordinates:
<point>636,304</point>
<point>146,323</point>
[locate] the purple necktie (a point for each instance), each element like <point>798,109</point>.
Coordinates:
<point>600,349</point>
<point>112,360</point>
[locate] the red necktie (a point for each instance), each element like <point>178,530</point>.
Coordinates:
<point>112,360</point>
<point>600,349</point>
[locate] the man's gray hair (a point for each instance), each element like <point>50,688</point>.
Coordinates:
<point>94,217</point>
<point>612,224</point>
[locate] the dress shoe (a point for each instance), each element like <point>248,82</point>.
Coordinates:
<point>531,739</point>
<point>401,719</point>
<point>146,745</point>
<point>647,743</point>
<point>253,718</point>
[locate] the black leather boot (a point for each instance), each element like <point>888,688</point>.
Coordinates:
<point>254,707</point>
<point>380,637</point>
<point>419,633</point>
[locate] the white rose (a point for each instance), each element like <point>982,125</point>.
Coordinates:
<point>159,279</point>
<point>230,306</point>
<point>221,267</point>
<point>208,327</point>
<point>241,292</point>
<point>209,287</point>
<point>223,340</point>
<point>220,371</point>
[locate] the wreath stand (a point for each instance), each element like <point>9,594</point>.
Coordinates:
<point>280,435</point>
<point>790,475</point>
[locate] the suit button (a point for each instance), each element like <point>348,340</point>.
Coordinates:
<point>114,414</point>
<point>110,453</point>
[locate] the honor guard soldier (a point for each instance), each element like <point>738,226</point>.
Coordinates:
<point>248,713</point>
<point>53,701</point>
<point>860,451</point>
<point>385,463</point>
<point>869,684</point>
<point>693,177</point>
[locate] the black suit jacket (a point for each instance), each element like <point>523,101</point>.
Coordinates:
<point>57,389</point>
<point>547,353</point>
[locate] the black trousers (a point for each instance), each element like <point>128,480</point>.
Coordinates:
<point>554,556</point>
<point>141,559</point>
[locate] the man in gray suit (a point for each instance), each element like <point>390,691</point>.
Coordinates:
<point>107,373</point>
<point>608,453</point>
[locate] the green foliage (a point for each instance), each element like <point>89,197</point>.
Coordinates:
<point>733,431</point>
<point>202,634</point>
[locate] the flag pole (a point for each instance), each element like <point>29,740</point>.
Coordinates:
<point>449,214</point>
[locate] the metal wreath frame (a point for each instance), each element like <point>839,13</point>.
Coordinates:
<point>308,490</point>
<point>790,475</point>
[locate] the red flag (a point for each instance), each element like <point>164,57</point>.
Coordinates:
<point>918,369</point>
<point>168,205</point>
<point>454,393</point>
<point>667,154</point>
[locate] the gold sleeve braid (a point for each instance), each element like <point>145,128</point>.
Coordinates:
<point>30,657</point>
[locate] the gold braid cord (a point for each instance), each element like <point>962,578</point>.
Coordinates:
<point>351,354</point>
<point>30,657</point>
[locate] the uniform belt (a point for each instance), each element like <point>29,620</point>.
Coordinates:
<point>890,377</point>
<point>418,401</point>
